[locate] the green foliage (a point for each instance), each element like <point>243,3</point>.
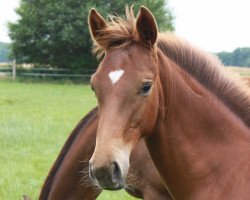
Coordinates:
<point>56,33</point>
<point>225,57</point>
<point>239,57</point>
<point>4,52</point>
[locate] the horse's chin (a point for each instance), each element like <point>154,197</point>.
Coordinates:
<point>119,187</point>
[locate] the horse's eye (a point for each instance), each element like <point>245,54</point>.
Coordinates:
<point>145,89</point>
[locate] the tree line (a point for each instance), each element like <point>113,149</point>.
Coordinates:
<point>239,57</point>
<point>55,33</point>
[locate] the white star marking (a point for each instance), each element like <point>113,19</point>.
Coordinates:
<point>116,75</point>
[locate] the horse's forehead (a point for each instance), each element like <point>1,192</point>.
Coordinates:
<point>117,64</point>
<point>121,65</point>
<point>116,59</point>
<point>129,59</point>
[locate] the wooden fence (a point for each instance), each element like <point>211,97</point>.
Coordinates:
<point>13,71</point>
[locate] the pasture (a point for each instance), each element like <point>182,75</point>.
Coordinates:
<point>239,71</point>
<point>35,120</point>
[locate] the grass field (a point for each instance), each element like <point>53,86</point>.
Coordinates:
<point>35,120</point>
<point>240,71</point>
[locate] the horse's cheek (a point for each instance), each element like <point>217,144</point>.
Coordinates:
<point>149,117</point>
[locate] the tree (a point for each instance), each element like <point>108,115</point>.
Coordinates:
<point>225,57</point>
<point>239,57</point>
<point>55,33</point>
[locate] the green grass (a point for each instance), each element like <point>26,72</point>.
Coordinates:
<point>35,120</point>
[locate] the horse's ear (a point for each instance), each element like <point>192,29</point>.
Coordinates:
<point>146,27</point>
<point>96,24</point>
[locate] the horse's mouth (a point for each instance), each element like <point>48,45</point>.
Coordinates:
<point>111,185</point>
<point>119,187</point>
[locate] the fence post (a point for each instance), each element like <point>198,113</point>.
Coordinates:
<point>14,69</point>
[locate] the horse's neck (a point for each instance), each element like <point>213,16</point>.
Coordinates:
<point>200,142</point>
<point>72,180</point>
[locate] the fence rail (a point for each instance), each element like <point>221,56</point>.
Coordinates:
<point>43,72</point>
<point>56,75</point>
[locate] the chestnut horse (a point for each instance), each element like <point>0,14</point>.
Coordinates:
<point>69,177</point>
<point>193,116</point>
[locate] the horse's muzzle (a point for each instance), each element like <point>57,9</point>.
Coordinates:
<point>109,178</point>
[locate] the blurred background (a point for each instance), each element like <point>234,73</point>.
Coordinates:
<point>46,63</point>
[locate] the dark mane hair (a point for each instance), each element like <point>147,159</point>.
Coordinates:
<point>77,130</point>
<point>202,66</point>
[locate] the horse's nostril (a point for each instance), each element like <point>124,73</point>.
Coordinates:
<point>108,177</point>
<point>115,172</point>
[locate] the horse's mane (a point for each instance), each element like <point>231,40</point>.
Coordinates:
<point>78,129</point>
<point>209,72</point>
<point>202,66</point>
<point>118,33</point>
